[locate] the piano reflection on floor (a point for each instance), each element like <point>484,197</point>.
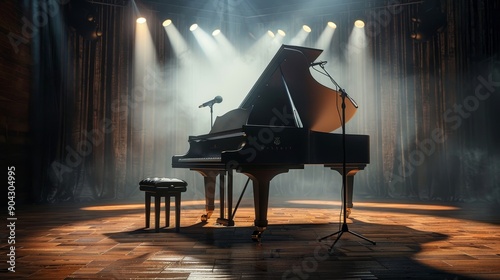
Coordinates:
<point>284,122</point>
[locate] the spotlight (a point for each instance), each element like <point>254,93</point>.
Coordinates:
<point>281,33</point>
<point>429,22</point>
<point>216,32</point>
<point>420,35</point>
<point>82,17</point>
<point>270,33</point>
<point>306,28</point>
<point>193,27</point>
<point>167,22</point>
<point>359,23</point>
<point>141,20</point>
<point>332,24</point>
<point>416,20</point>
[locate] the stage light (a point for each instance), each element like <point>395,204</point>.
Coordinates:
<point>359,23</point>
<point>167,22</point>
<point>141,20</point>
<point>416,20</point>
<point>324,40</point>
<point>193,27</point>
<point>429,22</point>
<point>270,33</point>
<point>281,33</point>
<point>301,36</point>
<point>420,36</point>
<point>216,32</point>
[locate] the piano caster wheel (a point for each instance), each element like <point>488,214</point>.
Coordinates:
<point>348,212</point>
<point>206,216</point>
<point>257,236</point>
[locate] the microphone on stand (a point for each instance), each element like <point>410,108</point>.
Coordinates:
<point>320,63</point>
<point>216,99</point>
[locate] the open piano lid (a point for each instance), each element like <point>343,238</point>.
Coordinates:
<point>286,94</point>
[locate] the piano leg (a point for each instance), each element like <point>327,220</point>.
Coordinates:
<point>261,179</point>
<point>349,188</point>
<point>209,179</point>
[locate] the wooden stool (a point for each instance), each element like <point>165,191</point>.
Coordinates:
<point>163,187</point>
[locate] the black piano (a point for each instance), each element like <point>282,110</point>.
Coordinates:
<point>284,122</point>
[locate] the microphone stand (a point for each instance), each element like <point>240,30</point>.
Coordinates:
<point>344,228</point>
<point>211,115</point>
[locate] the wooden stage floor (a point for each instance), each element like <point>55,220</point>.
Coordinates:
<point>108,241</point>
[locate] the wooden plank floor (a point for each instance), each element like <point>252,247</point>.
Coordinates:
<point>108,241</point>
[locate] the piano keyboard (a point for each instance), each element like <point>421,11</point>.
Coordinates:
<point>204,159</point>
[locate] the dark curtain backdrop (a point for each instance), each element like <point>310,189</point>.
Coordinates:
<point>430,108</point>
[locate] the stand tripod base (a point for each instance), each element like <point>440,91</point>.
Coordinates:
<point>340,232</point>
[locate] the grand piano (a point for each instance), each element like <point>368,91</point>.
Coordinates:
<point>284,122</point>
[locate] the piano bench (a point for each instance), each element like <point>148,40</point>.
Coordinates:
<point>163,187</point>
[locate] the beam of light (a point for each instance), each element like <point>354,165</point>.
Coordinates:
<point>325,39</point>
<point>141,20</point>
<point>229,71</point>
<point>146,71</point>
<point>356,47</point>
<point>207,44</point>
<point>278,38</point>
<point>225,46</point>
<point>193,27</point>
<point>144,52</point>
<point>301,36</point>
<point>360,72</point>
<point>178,43</point>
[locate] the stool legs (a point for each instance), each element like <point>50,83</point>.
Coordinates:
<point>157,199</point>
<point>167,211</point>
<point>148,207</point>
<point>177,211</point>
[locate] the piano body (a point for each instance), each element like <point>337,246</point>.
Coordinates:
<point>283,123</point>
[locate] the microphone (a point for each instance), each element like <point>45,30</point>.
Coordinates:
<point>216,99</point>
<point>320,63</point>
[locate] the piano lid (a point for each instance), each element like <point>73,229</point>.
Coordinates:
<point>286,94</point>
